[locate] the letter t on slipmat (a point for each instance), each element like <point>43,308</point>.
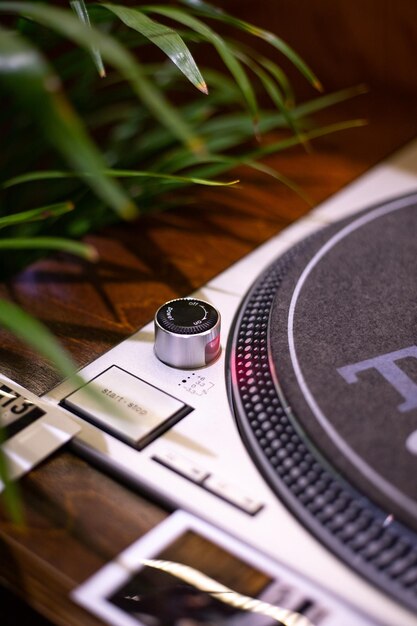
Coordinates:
<point>386,365</point>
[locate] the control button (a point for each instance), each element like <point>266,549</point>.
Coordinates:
<point>133,411</point>
<point>187,333</point>
<point>232,494</point>
<point>182,466</point>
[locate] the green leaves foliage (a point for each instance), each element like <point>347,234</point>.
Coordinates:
<point>164,178</point>
<point>29,78</point>
<point>138,135</point>
<point>226,53</point>
<point>204,8</point>
<point>117,55</point>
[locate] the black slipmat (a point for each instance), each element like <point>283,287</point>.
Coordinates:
<point>322,376</point>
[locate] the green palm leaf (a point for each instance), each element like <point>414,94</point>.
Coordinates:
<point>80,9</point>
<point>221,46</point>
<point>165,38</point>
<point>40,213</point>
<point>279,76</point>
<point>50,243</point>
<point>272,90</point>
<point>54,174</point>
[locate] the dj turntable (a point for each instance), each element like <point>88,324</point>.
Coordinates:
<point>294,430</point>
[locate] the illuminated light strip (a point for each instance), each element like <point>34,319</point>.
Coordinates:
<point>218,591</point>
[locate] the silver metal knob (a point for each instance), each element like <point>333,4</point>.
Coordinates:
<point>187,333</point>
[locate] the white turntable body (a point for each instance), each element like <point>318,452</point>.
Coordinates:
<point>199,464</point>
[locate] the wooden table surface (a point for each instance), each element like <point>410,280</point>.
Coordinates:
<point>77,518</point>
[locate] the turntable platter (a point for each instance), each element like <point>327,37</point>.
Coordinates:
<point>324,386</point>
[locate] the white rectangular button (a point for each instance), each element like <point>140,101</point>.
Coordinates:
<point>182,465</point>
<point>232,494</point>
<point>134,411</point>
